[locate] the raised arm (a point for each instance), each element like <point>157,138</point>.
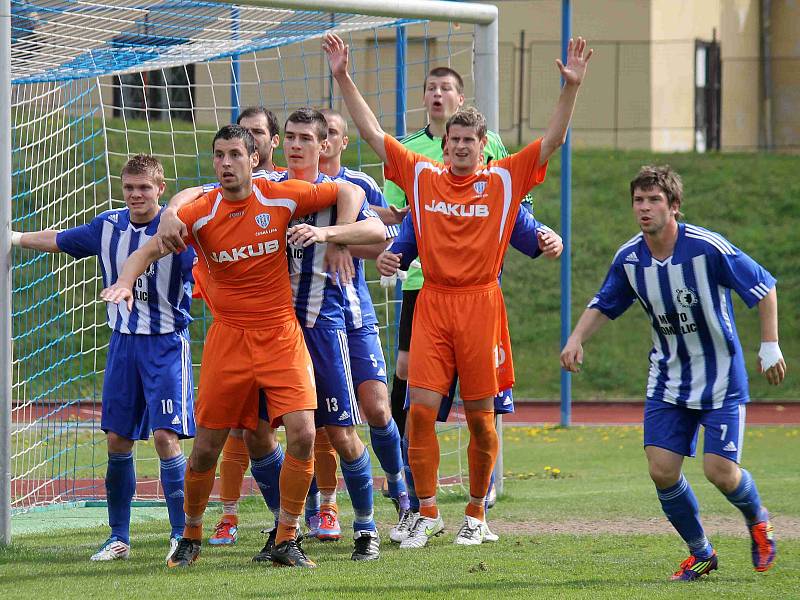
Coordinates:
<point>44,241</point>
<point>770,358</point>
<point>572,73</point>
<point>360,112</point>
<point>171,230</point>
<point>136,264</point>
<point>572,355</point>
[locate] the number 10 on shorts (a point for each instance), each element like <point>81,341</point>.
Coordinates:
<point>166,406</point>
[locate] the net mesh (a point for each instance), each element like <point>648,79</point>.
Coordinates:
<point>95,83</point>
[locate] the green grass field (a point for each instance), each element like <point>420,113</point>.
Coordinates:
<point>594,531</point>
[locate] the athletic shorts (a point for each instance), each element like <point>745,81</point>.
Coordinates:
<point>406,319</point>
<point>503,403</point>
<point>238,363</point>
<point>464,331</point>
<point>366,355</point>
<point>675,428</point>
<point>148,385</point>
<point>336,402</point>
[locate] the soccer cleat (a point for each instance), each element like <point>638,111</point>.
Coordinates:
<point>266,552</point>
<point>225,533</point>
<point>312,526</point>
<point>762,546</point>
<point>424,529</point>
<point>694,568</point>
<point>173,545</point>
<point>470,533</point>
<point>290,554</point>
<point>400,531</point>
<point>112,549</point>
<point>366,546</point>
<point>185,554</point>
<point>488,536</point>
<point>329,529</point>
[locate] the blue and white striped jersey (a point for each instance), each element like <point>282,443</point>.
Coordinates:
<point>696,360</point>
<point>162,295</point>
<point>358,308</point>
<point>318,301</point>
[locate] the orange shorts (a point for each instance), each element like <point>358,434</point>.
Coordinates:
<point>464,331</point>
<point>237,363</point>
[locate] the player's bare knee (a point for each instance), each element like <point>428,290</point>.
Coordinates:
<point>723,473</point>
<point>663,475</point>
<point>205,452</point>
<point>262,441</point>
<point>401,369</point>
<point>374,402</point>
<point>346,442</point>
<point>167,443</point>
<point>118,444</point>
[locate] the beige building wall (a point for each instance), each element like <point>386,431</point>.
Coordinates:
<point>785,104</point>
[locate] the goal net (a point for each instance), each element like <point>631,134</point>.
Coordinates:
<point>95,82</point>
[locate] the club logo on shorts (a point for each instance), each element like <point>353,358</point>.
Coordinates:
<point>686,297</point>
<point>479,187</point>
<point>262,220</point>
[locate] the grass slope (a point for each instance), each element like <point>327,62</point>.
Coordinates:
<point>602,477</point>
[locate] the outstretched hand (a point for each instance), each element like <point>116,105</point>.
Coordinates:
<point>575,69</point>
<point>338,54</point>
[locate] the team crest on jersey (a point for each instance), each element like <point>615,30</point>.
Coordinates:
<point>150,270</point>
<point>686,297</point>
<point>479,187</point>
<point>113,217</point>
<point>262,220</point>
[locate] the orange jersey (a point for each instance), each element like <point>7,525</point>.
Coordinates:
<point>463,224</point>
<point>243,245</point>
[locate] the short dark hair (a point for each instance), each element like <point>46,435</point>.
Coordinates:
<point>468,117</point>
<point>663,177</point>
<point>310,115</point>
<point>446,72</point>
<point>329,112</point>
<point>254,111</point>
<point>144,164</point>
<point>236,132</point>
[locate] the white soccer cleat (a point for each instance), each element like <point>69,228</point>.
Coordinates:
<point>488,536</point>
<point>423,529</point>
<point>471,532</point>
<point>112,549</point>
<point>400,531</point>
<point>173,544</point>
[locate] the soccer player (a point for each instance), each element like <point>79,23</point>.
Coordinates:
<point>320,306</point>
<point>148,377</point>
<point>682,275</point>
<point>255,342</point>
<point>367,363</point>
<point>463,217</point>
<point>442,98</point>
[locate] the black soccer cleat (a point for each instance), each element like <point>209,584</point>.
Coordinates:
<point>266,552</point>
<point>290,554</point>
<point>185,554</point>
<point>366,545</point>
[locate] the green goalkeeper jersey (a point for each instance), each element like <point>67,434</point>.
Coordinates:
<point>424,143</point>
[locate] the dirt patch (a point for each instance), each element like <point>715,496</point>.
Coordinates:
<point>785,527</point>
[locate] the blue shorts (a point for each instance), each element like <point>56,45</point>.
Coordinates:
<point>330,355</point>
<point>148,385</point>
<point>675,428</point>
<point>366,355</point>
<point>503,403</point>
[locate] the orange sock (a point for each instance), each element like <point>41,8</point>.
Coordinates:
<point>481,453</point>
<point>423,455</point>
<point>235,461</point>
<point>295,480</point>
<point>325,469</point>
<point>197,487</point>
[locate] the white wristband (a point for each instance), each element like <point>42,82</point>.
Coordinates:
<point>769,354</point>
<point>16,238</point>
<point>388,281</point>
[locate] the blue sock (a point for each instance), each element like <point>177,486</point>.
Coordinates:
<point>313,500</point>
<point>745,497</point>
<point>172,471</point>
<point>680,506</point>
<point>412,493</point>
<point>267,473</point>
<point>491,485</point>
<point>358,479</point>
<point>120,487</point>
<point>386,445</point>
